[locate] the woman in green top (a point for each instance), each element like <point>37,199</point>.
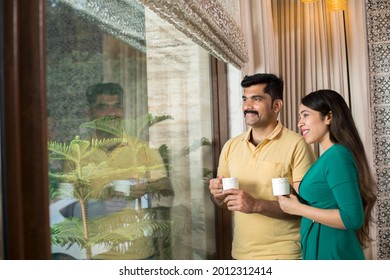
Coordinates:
<point>336,195</point>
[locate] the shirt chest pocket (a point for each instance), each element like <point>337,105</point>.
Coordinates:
<point>267,171</point>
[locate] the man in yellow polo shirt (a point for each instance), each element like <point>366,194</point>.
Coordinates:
<point>268,150</point>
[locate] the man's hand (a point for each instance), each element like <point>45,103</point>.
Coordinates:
<point>216,190</point>
<point>215,187</point>
<point>238,200</point>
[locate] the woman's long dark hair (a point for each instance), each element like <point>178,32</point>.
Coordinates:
<point>343,130</point>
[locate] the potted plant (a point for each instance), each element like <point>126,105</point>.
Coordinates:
<point>131,232</point>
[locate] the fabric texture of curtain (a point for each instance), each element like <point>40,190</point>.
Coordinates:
<point>208,24</point>
<point>258,28</point>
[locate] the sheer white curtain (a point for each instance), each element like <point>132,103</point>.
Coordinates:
<point>258,28</point>
<point>355,18</point>
<point>303,43</point>
<point>311,48</point>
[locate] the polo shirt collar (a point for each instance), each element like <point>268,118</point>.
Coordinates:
<point>272,135</point>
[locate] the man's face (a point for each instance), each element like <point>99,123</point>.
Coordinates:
<point>108,110</point>
<point>107,106</point>
<point>257,106</point>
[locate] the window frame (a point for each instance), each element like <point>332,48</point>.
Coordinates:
<point>25,183</point>
<point>26,221</point>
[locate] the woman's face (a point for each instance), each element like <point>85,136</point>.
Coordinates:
<point>314,127</point>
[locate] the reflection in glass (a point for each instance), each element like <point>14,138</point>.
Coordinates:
<point>129,135</point>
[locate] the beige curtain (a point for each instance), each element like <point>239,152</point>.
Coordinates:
<point>303,43</point>
<point>311,48</point>
<point>258,28</point>
<point>356,26</point>
<point>126,66</point>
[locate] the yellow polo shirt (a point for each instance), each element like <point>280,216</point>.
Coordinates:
<point>283,153</point>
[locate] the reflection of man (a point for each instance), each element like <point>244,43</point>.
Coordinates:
<point>106,110</point>
<point>105,101</point>
<point>139,181</point>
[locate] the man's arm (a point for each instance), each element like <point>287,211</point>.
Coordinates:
<point>238,200</point>
<point>163,193</point>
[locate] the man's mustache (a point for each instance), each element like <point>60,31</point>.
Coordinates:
<point>110,118</point>
<point>250,112</point>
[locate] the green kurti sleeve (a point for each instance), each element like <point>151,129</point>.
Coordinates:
<point>343,180</point>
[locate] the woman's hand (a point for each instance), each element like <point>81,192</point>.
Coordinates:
<point>289,204</point>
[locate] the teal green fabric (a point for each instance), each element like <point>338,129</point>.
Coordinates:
<point>332,183</point>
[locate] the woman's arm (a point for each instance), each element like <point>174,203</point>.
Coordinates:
<point>329,217</point>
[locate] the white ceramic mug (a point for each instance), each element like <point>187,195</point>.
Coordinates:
<point>229,183</point>
<point>280,186</point>
<point>122,186</point>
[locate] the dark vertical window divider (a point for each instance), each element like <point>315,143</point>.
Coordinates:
<point>223,219</point>
<point>26,207</point>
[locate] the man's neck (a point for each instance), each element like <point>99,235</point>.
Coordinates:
<point>260,133</point>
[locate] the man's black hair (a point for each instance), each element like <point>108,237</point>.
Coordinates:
<point>103,88</point>
<point>274,86</point>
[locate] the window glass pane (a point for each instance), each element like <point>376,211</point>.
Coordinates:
<point>129,114</point>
